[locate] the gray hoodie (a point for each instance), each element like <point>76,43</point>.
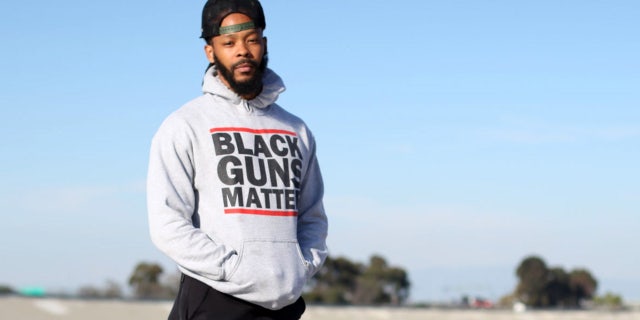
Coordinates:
<point>234,194</point>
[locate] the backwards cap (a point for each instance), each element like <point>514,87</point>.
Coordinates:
<point>215,11</point>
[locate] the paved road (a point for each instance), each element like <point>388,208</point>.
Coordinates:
<point>20,308</point>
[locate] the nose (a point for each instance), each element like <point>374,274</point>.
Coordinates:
<point>243,50</point>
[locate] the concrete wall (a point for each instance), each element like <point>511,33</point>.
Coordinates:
<point>12,307</point>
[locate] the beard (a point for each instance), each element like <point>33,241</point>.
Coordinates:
<point>251,86</point>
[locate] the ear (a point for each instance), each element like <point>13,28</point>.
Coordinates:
<point>208,51</point>
<point>264,40</point>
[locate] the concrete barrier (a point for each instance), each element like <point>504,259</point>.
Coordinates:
<point>17,307</point>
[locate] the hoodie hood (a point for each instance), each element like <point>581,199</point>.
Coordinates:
<point>272,86</point>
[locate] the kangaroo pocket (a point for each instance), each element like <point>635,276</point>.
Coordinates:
<point>270,270</point>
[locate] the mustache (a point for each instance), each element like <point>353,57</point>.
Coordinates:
<point>245,61</point>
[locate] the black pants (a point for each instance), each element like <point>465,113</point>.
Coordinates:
<point>198,301</point>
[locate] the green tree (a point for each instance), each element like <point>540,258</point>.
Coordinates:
<point>89,292</point>
<point>145,281</point>
<point>609,300</point>
<point>531,289</point>
<point>111,290</point>
<point>381,284</point>
<point>558,290</point>
<point>397,285</point>
<point>540,286</point>
<point>368,289</point>
<point>341,281</point>
<point>335,282</point>
<point>5,289</point>
<point>583,285</point>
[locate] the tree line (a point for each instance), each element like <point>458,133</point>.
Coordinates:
<point>342,281</point>
<point>542,286</point>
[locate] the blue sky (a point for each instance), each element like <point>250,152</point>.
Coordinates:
<point>455,137</point>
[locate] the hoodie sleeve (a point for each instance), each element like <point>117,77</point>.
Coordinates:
<point>172,201</point>
<point>312,220</point>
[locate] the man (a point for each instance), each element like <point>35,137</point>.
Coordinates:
<point>234,187</point>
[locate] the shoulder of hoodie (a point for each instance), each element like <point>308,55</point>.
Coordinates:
<point>178,122</point>
<point>186,111</point>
